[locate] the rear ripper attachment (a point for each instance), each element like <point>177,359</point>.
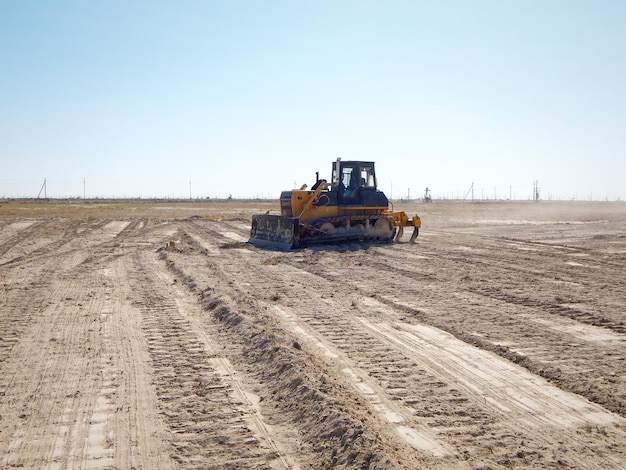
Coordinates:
<point>351,208</point>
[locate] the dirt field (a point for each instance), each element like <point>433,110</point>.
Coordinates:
<point>498,340</point>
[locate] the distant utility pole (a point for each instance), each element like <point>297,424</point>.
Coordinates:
<point>84,192</point>
<point>536,190</point>
<point>190,190</point>
<point>44,189</point>
<point>471,189</point>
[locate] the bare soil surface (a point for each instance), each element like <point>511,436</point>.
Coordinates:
<point>149,334</point>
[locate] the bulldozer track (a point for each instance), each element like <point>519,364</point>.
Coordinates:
<point>390,263</point>
<point>386,366</point>
<point>542,344</point>
<point>197,401</point>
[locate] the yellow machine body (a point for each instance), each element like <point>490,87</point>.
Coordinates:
<point>350,208</point>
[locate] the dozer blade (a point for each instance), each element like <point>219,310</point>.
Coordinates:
<point>274,231</point>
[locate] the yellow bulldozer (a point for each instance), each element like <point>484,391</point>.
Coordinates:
<point>350,208</point>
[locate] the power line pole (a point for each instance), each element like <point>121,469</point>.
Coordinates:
<point>84,192</point>
<point>471,189</point>
<point>43,188</point>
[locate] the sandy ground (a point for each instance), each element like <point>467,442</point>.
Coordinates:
<point>498,340</point>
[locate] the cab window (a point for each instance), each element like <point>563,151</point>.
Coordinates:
<point>367,176</point>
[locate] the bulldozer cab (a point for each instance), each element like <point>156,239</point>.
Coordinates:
<point>351,179</point>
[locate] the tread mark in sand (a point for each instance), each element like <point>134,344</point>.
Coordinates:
<point>197,404</point>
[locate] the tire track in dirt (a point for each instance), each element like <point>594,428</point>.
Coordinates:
<point>35,240</point>
<point>450,404</point>
<point>11,233</point>
<point>66,239</point>
<point>466,415</point>
<point>57,385</point>
<point>192,312</point>
<point>74,392</point>
<point>372,365</point>
<point>135,432</point>
<point>540,336</point>
<point>544,263</point>
<point>26,279</point>
<point>57,236</point>
<point>565,350</point>
<point>211,426</point>
<point>503,385</point>
<point>26,290</point>
<point>294,385</point>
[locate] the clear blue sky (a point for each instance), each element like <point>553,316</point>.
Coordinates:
<point>140,98</point>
